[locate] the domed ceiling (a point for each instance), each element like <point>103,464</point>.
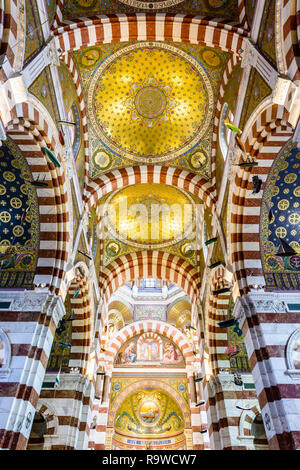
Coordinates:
<point>150,102</point>
<point>150,215</point>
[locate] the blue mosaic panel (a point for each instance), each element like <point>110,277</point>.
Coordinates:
<point>19,220</point>
<point>280,220</point>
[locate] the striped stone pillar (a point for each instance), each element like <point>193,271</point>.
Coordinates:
<point>100,410</point>
<point>199,431</point>
<point>271,324</point>
<point>71,403</point>
<point>226,403</point>
<point>28,321</point>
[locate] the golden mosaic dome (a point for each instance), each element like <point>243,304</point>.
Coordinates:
<point>150,102</point>
<point>149,215</point>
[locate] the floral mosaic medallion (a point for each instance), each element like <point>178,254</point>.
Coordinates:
<point>154,5</point>
<point>150,102</point>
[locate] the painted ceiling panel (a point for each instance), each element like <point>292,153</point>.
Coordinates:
<point>218,8</point>
<point>139,93</point>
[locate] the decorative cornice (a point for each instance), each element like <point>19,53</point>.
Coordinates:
<point>35,301</point>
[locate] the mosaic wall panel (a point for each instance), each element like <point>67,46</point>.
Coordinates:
<point>250,10</point>
<point>59,355</point>
<point>19,220</point>
<point>257,91</point>
<point>266,38</point>
<point>149,312</point>
<point>217,8</point>
<point>51,9</point>
<point>237,351</point>
<point>280,220</point>
<point>177,383</point>
<point>149,412</point>
<point>34,33</point>
<point>149,350</point>
<point>115,246</point>
<point>232,87</point>
<point>68,87</point>
<point>43,89</point>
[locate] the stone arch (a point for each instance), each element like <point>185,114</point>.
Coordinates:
<point>158,327</point>
<point>12,34</point>
<point>149,335</point>
<point>149,264</point>
<point>264,135</point>
<point>50,416</point>
<point>146,383</point>
<point>30,132</point>
<point>217,308</point>
<point>150,27</point>
<point>246,420</point>
<point>287,38</point>
<point>116,179</point>
<point>82,330</point>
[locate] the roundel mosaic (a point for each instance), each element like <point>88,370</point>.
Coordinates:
<point>150,102</point>
<point>19,220</point>
<point>280,221</point>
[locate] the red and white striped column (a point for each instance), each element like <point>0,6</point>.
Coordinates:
<point>270,321</point>
<point>29,322</point>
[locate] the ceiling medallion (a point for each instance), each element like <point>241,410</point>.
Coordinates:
<point>150,102</point>
<point>154,5</point>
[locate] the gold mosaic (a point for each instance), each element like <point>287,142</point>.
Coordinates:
<point>150,102</point>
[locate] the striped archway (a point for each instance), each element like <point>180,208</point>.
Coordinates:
<point>265,134</point>
<point>31,132</point>
<point>288,38</point>
<point>149,263</point>
<point>217,310</point>
<point>151,326</point>
<point>12,37</point>
<point>82,328</point>
<point>85,32</point>
<point>49,415</point>
<point>116,179</point>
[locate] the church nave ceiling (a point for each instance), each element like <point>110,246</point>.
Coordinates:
<point>150,103</point>
<point>215,8</point>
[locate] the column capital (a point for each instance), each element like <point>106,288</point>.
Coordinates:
<point>34,301</point>
<point>266,302</point>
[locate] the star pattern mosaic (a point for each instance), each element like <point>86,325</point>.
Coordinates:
<point>280,219</point>
<point>19,219</point>
<point>107,155</point>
